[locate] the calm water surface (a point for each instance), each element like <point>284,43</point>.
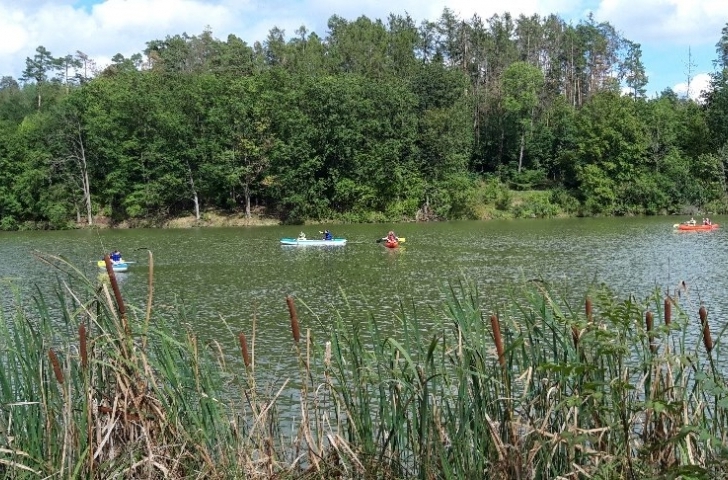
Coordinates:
<point>226,277</point>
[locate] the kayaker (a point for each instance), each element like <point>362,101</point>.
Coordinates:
<point>328,235</point>
<point>391,237</point>
<point>692,221</point>
<point>302,236</point>
<point>115,256</point>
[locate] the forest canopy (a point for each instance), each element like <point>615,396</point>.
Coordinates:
<point>376,121</point>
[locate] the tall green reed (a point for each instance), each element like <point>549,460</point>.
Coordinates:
<point>536,387</point>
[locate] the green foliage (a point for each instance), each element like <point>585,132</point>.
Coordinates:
<point>536,205</point>
<point>566,202</point>
<point>454,197</point>
<point>373,120</point>
<point>598,190</point>
<point>8,222</point>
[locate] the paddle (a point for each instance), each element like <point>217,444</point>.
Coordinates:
<point>399,239</point>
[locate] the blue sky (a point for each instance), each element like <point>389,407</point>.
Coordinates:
<point>666,29</point>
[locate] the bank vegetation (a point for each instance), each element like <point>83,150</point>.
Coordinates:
<point>539,387</point>
<point>373,121</point>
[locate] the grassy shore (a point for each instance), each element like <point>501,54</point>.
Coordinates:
<point>536,389</point>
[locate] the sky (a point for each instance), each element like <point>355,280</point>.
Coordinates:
<point>677,37</point>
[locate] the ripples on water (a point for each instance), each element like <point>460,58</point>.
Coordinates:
<point>228,277</point>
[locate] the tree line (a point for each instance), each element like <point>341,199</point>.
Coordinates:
<point>376,121</point>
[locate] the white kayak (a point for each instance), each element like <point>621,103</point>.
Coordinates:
<point>301,242</point>
<point>121,266</point>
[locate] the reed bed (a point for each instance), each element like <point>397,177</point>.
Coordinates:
<point>538,388</point>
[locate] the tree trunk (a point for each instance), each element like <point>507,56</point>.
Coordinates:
<point>520,154</point>
<point>85,182</point>
<point>87,196</point>
<point>195,197</point>
<point>246,193</point>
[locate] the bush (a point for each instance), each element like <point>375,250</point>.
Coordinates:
<point>8,222</point>
<point>566,202</point>
<point>536,204</point>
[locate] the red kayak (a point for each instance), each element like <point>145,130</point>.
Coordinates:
<point>391,244</point>
<point>683,226</point>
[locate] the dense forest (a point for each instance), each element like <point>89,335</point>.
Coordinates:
<point>376,121</point>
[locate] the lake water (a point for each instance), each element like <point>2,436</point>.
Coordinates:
<point>227,277</point>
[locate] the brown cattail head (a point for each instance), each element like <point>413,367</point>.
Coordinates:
<point>56,365</point>
<point>84,348</point>
<point>117,293</point>
<point>588,308</point>
<point>498,340</point>
<point>294,319</point>
<point>649,325</point>
<point>707,339</point>
<point>649,321</point>
<point>668,311</point>
<point>327,355</point>
<point>575,335</point>
<point>244,349</point>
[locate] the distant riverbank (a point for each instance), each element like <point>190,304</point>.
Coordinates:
<point>489,203</point>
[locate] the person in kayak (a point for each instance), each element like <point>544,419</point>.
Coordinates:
<point>115,256</point>
<point>302,236</point>
<point>391,237</point>
<point>328,235</point>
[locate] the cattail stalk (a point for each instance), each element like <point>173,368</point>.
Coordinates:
<point>498,340</point>
<point>117,293</point>
<point>56,366</point>
<point>294,319</point>
<point>707,339</point>
<point>244,349</point>
<point>668,311</point>
<point>83,346</point>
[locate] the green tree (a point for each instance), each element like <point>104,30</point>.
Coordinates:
<point>721,48</point>
<point>522,84</point>
<point>633,71</point>
<point>38,69</point>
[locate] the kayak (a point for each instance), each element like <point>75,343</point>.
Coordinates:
<point>336,242</point>
<point>685,227</point>
<point>121,266</point>
<point>392,244</point>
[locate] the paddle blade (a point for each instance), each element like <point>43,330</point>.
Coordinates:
<point>380,240</point>
<point>401,239</point>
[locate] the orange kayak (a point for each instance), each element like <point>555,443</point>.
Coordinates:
<point>712,226</point>
<point>393,244</point>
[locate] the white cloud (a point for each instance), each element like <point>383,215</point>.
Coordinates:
<point>698,85</point>
<point>14,36</point>
<point>102,28</point>
<point>682,22</point>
